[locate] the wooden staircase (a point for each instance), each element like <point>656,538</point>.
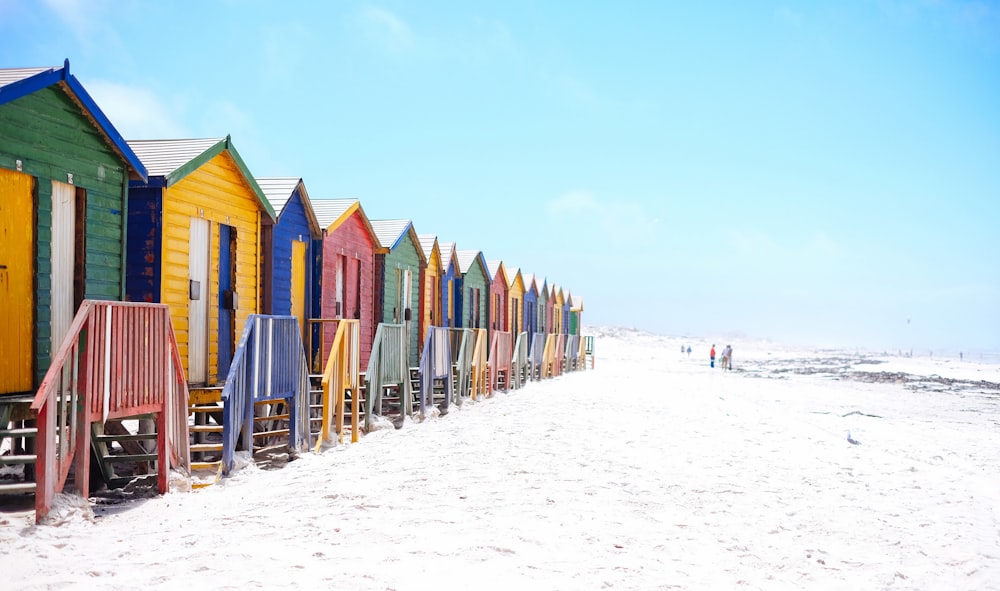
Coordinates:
<point>17,446</point>
<point>205,428</point>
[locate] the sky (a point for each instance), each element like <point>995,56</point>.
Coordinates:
<point>821,173</point>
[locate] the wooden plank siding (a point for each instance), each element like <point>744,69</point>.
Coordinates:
<point>472,284</point>
<point>198,180</point>
<point>515,302</point>
<point>498,289</point>
<point>404,255</point>
<point>294,232</point>
<point>530,306</point>
<point>349,238</point>
<point>50,136</point>
<point>450,276</point>
<point>430,288</point>
<point>544,308</point>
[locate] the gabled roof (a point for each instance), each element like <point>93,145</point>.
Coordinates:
<point>331,213</point>
<point>20,82</point>
<point>448,255</point>
<point>169,161</point>
<point>390,234</point>
<point>513,276</point>
<point>496,266</point>
<point>279,190</point>
<point>429,242</point>
<point>467,258</point>
<point>576,303</point>
<point>529,282</point>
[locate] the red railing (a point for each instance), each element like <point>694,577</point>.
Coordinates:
<point>117,360</point>
<point>501,351</point>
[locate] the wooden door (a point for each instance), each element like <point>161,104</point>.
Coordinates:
<point>63,260</point>
<point>298,295</point>
<point>227,301</point>
<point>198,260</point>
<point>17,268</point>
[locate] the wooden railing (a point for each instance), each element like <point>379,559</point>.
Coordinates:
<point>520,369</point>
<point>501,350</point>
<point>559,355</point>
<point>435,364</point>
<point>462,345</point>
<point>388,365</point>
<point>117,360</point>
<point>548,356</point>
<point>588,351</point>
<point>536,356</point>
<point>480,366</point>
<point>341,376</point>
<point>269,365</point>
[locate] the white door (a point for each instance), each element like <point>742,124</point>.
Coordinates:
<point>198,295</point>
<point>63,260</point>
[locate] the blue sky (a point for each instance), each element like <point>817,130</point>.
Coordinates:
<point>811,172</point>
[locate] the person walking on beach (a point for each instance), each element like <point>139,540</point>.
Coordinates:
<point>727,357</point>
<point>711,357</point>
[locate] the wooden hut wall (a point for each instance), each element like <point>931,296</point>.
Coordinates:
<point>430,292</point>
<point>403,257</point>
<point>450,298</point>
<point>49,137</point>
<point>530,308</point>
<point>515,304</point>
<point>292,245</point>
<point>472,288</point>
<point>217,193</point>
<point>543,309</point>
<point>350,244</point>
<point>498,301</point>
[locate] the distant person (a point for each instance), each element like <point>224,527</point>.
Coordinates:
<point>711,357</point>
<point>960,358</point>
<point>689,350</point>
<point>727,357</point>
<point>682,349</point>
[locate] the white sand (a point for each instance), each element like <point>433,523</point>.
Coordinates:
<point>651,472</point>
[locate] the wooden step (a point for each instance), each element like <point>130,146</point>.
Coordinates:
<point>205,447</point>
<point>206,465</point>
<point>17,488</point>
<point>204,408</point>
<point>205,428</point>
<point>281,432</point>
<point>19,459</point>
<point>283,417</point>
<point>130,458</point>
<point>132,437</point>
<point>20,432</point>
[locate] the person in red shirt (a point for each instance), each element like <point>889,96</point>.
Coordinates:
<point>711,356</point>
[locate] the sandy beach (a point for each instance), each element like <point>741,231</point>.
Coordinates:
<point>798,469</point>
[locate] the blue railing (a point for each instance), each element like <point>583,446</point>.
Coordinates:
<point>435,364</point>
<point>269,365</point>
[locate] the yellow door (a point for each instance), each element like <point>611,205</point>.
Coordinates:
<point>17,268</point>
<point>298,294</point>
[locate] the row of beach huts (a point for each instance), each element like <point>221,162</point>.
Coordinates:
<point>162,309</point>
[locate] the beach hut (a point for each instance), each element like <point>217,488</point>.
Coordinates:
<point>498,290</point>
<point>472,290</point>
<point>500,338</point>
<point>346,268</point>
<point>557,300</point>
<point>287,287</point>
<point>544,308</point>
<point>450,277</point>
<point>397,270</point>
<point>430,287</point>
<point>576,315</point>
<point>194,243</point>
<point>64,173</point>
<point>515,301</point>
<point>530,317</point>
<point>567,302</point>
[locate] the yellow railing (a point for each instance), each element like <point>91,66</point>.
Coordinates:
<point>340,376</point>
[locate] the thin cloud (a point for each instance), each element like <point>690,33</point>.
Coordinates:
<point>573,202</point>
<point>387,29</point>
<point>137,113</point>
